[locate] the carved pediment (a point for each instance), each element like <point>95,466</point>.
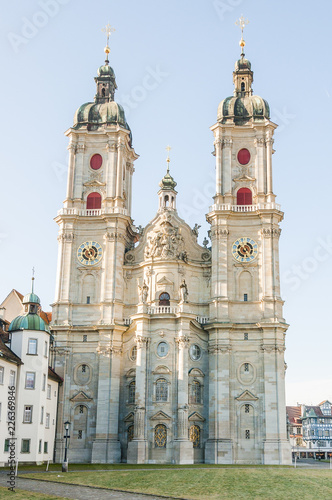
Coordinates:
<point>160,415</point>
<point>196,372</point>
<point>94,183</point>
<point>79,397</point>
<point>131,373</point>
<point>196,417</point>
<point>161,370</point>
<point>246,396</point>
<point>129,417</point>
<point>165,281</point>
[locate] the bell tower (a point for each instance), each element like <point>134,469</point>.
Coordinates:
<point>247,418</point>
<point>95,231</point>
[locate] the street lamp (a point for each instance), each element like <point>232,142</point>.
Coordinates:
<point>66,437</point>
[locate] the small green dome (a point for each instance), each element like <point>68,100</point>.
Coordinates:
<point>28,321</point>
<point>31,298</point>
<point>94,115</point>
<point>167,182</point>
<point>242,64</point>
<point>105,70</point>
<point>243,109</point>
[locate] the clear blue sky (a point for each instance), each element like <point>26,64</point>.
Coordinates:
<point>50,53</point>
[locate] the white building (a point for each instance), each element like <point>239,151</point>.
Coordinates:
<point>25,365</point>
<point>171,351</point>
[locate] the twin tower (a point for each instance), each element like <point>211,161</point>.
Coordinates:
<point>171,352</point>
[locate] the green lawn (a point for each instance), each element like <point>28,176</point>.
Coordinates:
<point>230,483</point>
<point>24,495</point>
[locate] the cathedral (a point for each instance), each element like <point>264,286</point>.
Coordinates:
<point>170,352</point>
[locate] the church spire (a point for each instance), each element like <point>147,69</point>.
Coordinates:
<point>242,76</point>
<point>167,193</point>
<point>105,80</point>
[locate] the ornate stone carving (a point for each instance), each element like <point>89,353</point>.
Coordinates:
<point>139,418</point>
<point>129,258</point>
<point>112,236</point>
<point>206,256</point>
<point>218,231</point>
<point>80,148</point>
<point>111,146</point>
<point>143,292</point>
<point>260,141</point>
<point>167,242</point>
<point>227,143</point>
<point>183,341</point>
<point>141,341</point>
<point>268,233</point>
<point>183,291</point>
<point>195,230</point>
<point>66,237</point>
<point>217,349</point>
<point>183,422</point>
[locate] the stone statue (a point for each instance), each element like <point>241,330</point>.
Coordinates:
<point>184,291</point>
<point>145,291</point>
<point>195,229</point>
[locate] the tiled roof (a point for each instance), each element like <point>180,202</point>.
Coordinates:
<point>316,410</point>
<point>8,354</point>
<point>46,316</point>
<point>325,401</point>
<point>54,376</point>
<point>294,414</point>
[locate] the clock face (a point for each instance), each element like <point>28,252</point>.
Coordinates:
<point>89,253</point>
<point>244,249</point>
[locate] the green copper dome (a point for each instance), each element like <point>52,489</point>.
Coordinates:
<point>28,321</point>
<point>93,115</point>
<point>167,182</point>
<point>242,64</point>
<point>106,70</point>
<point>242,109</point>
<point>31,298</point>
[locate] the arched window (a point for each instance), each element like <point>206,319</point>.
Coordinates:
<point>131,395</point>
<point>164,299</point>
<point>244,197</point>
<point>93,201</point>
<point>160,436</point>
<point>161,390</point>
<point>195,435</point>
<point>196,392</point>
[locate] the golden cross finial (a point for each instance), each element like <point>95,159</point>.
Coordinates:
<point>108,30</point>
<point>242,22</point>
<point>32,279</point>
<point>168,148</point>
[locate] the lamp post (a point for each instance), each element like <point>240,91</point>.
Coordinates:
<point>66,437</point>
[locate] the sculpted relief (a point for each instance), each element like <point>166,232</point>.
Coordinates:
<point>165,241</point>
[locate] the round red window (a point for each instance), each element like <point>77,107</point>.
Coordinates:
<point>96,161</point>
<point>243,156</point>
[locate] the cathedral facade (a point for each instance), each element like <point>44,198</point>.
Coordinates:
<point>171,352</point>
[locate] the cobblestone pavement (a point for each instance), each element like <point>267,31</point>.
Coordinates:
<point>74,492</point>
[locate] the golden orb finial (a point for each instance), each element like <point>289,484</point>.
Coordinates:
<point>108,30</point>
<point>242,22</point>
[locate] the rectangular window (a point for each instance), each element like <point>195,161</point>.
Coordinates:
<point>30,380</point>
<point>6,448</point>
<point>81,409</point>
<point>40,446</point>
<point>1,374</point>
<point>42,415</point>
<point>27,415</point>
<point>12,378</point>
<point>88,300</point>
<point>25,446</point>
<point>44,382</point>
<point>247,434</point>
<point>327,433</point>
<point>85,338</point>
<point>32,346</point>
<point>46,349</point>
<point>246,408</point>
<point>48,391</point>
<point>245,336</point>
<point>298,430</point>
<point>47,421</point>
<point>45,447</point>
<point>246,367</point>
<point>245,297</point>
<point>80,433</point>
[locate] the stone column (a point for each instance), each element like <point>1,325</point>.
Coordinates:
<point>183,448</point>
<point>106,446</point>
<point>260,168</point>
<point>268,273</point>
<point>78,182</point>
<point>269,181</point>
<point>110,171</point>
<point>218,150</point>
<point>119,174</point>
<point>137,448</point>
<point>219,446</point>
<point>227,169</point>
<point>219,289</point>
<point>71,173</point>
